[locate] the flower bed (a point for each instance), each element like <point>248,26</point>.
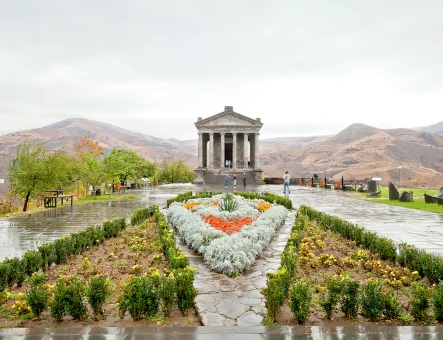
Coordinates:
<point>228,241</point>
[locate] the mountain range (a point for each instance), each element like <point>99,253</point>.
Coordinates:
<point>358,152</point>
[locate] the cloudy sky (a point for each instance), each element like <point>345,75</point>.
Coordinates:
<point>303,67</point>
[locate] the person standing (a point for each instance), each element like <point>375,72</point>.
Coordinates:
<point>234,181</point>
<point>227,180</point>
<point>286,180</point>
<point>244,179</point>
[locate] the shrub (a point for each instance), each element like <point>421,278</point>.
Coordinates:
<point>421,296</point>
<point>300,296</point>
<point>140,297</point>
<point>330,299</point>
<point>75,298</point>
<point>37,297</point>
<point>184,289</point>
<point>437,302</point>
<point>372,301</point>
<point>16,273</point>
<point>5,269</point>
<point>61,249</point>
<point>167,294</point>
<point>141,215</point>
<point>349,299</point>
<point>275,292</point>
<point>58,305</point>
<point>391,305</point>
<point>97,292</point>
<point>47,253</point>
<point>33,261</point>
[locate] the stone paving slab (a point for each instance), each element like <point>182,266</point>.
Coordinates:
<point>225,301</point>
<point>234,333</point>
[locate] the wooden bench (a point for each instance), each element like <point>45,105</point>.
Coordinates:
<point>51,201</point>
<point>349,187</point>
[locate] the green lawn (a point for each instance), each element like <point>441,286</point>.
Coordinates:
<point>114,197</point>
<point>419,201</point>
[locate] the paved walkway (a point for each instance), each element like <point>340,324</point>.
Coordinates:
<point>232,333</point>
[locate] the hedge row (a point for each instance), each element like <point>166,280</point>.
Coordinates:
<point>268,197</point>
<point>15,270</point>
<point>426,264</point>
<point>188,195</point>
<point>277,286</point>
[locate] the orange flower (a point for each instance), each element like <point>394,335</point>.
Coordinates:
<point>191,206</point>
<point>228,226</point>
<point>264,206</point>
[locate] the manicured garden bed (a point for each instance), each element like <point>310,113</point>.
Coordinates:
<point>336,273</point>
<point>228,230</point>
<point>146,279</point>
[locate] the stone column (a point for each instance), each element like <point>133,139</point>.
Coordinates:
<point>211,151</point>
<point>234,151</point>
<point>245,150</point>
<point>200,150</point>
<point>257,154</point>
<point>222,150</point>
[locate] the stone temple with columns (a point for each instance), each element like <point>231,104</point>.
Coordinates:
<point>228,136</point>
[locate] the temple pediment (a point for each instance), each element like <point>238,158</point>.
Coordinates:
<point>228,118</point>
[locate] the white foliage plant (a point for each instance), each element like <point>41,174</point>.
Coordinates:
<point>223,253</point>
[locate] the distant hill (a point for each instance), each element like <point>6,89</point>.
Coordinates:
<point>359,151</point>
<point>431,128</point>
<point>67,132</point>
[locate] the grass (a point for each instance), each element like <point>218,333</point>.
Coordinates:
<point>418,204</point>
<point>114,197</point>
<point>33,209</point>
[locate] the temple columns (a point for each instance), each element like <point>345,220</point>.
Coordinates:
<point>200,150</point>
<point>222,150</point>
<point>211,151</point>
<point>234,151</point>
<point>245,150</point>
<point>257,152</point>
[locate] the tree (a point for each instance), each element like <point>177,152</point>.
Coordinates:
<point>35,169</point>
<point>124,164</point>
<point>90,153</point>
<point>175,172</point>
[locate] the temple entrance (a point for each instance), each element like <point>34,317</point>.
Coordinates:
<point>228,152</point>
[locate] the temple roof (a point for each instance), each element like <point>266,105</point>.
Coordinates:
<point>228,118</point>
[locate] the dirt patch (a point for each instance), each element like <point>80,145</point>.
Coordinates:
<point>137,250</point>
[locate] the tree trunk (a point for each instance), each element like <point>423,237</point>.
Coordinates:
<point>25,206</point>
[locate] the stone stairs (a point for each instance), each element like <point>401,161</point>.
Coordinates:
<point>217,177</point>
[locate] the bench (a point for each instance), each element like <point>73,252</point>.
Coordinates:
<point>350,187</point>
<point>51,201</point>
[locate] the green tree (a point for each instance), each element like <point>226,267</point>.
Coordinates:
<point>92,168</point>
<point>35,169</point>
<point>121,165</point>
<point>175,172</point>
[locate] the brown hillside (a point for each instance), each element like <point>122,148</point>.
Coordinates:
<point>361,151</point>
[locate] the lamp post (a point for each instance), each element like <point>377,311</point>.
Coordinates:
<point>399,168</point>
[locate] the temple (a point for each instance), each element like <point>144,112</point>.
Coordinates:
<point>228,142</point>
